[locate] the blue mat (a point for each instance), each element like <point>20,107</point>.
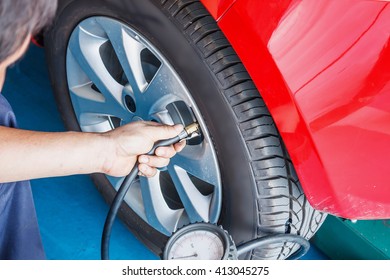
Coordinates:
<point>70,210</point>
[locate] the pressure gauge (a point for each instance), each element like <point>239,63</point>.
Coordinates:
<point>201,241</point>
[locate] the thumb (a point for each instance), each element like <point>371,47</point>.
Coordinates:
<point>166,131</point>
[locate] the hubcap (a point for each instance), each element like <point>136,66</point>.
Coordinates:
<point>115,76</point>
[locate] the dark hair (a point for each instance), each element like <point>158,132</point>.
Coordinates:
<point>19,18</point>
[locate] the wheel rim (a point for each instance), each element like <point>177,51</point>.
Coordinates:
<point>115,76</point>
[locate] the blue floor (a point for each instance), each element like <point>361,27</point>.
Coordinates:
<point>70,210</point>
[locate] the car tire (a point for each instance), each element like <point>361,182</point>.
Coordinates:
<point>261,191</point>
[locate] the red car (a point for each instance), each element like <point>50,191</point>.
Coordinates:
<point>293,100</point>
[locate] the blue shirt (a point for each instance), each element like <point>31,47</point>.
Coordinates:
<point>19,233</point>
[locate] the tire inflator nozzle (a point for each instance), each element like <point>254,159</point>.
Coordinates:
<point>181,113</point>
<point>191,131</point>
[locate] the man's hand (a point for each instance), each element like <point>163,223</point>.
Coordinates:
<point>128,143</point>
<point>30,154</point>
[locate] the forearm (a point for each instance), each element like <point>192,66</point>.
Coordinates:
<point>29,154</point>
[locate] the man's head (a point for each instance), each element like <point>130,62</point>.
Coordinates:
<point>19,19</point>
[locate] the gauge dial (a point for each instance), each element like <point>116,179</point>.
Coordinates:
<point>198,242</point>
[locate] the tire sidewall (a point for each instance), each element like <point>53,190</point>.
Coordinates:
<point>239,211</point>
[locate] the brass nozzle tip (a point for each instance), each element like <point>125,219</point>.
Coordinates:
<point>192,128</point>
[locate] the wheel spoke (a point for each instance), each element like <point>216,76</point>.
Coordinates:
<point>128,50</point>
<point>158,214</point>
<point>84,46</point>
<point>196,205</point>
<point>162,90</point>
<point>93,123</point>
<point>199,162</point>
<point>88,101</point>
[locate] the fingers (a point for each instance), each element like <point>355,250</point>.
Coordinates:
<point>148,164</point>
<point>153,161</point>
<point>136,139</point>
<point>162,155</point>
<point>159,131</point>
<point>180,146</point>
<point>147,171</point>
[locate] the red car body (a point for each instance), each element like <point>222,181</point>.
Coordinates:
<point>322,68</point>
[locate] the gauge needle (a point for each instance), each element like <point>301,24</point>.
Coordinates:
<point>185,257</point>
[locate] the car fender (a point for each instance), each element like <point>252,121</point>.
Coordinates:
<point>322,68</point>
